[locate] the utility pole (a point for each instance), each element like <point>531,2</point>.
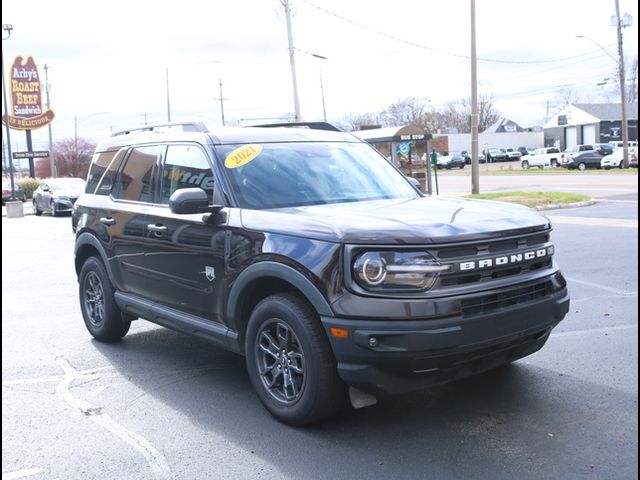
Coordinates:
<point>52,164</point>
<point>222,99</point>
<point>292,60</point>
<point>475,164</point>
<point>623,99</point>
<point>7,28</point>
<point>168,102</point>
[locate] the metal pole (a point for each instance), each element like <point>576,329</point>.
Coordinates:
<point>221,103</point>
<point>623,99</point>
<point>292,60</point>
<point>324,109</point>
<point>31,161</point>
<point>7,28</point>
<point>168,102</point>
<point>52,164</point>
<point>475,165</point>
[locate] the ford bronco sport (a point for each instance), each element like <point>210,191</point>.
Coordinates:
<point>308,253</point>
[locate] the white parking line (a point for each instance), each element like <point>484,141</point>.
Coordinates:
<point>615,291</point>
<point>595,330</point>
<point>595,221</point>
<point>155,459</point>
<point>27,472</point>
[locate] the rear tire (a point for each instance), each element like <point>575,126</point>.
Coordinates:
<point>582,166</point>
<point>101,314</point>
<point>290,361</point>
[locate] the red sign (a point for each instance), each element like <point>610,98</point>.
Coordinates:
<point>26,95</point>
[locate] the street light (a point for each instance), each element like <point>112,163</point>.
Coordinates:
<point>324,109</point>
<point>7,28</point>
<point>619,23</point>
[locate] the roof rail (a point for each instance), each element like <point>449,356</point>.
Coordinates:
<point>186,127</point>
<point>312,125</point>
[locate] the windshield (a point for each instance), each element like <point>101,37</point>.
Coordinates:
<point>66,184</point>
<point>280,175</point>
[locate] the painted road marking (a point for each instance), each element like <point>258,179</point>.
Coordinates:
<point>595,330</point>
<point>155,459</point>
<point>616,291</point>
<point>594,221</point>
<point>27,472</point>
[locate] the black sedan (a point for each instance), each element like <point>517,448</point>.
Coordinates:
<point>57,195</point>
<point>18,193</point>
<point>582,160</point>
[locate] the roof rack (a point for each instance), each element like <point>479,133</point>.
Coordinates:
<point>186,127</point>
<point>312,125</point>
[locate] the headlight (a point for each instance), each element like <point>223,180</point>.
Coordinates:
<point>396,271</point>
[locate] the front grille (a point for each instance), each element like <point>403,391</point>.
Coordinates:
<point>457,254</point>
<point>504,299</point>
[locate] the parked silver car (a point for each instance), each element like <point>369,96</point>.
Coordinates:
<point>57,195</point>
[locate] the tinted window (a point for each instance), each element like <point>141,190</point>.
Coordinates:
<point>134,181</point>
<point>110,175</point>
<point>99,164</point>
<point>186,166</point>
<point>553,150</point>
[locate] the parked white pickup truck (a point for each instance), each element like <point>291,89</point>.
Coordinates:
<point>541,157</point>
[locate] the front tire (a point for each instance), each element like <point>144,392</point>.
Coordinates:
<point>290,362</point>
<point>101,314</point>
<point>54,211</point>
<point>582,166</point>
<point>525,165</point>
<point>36,210</point>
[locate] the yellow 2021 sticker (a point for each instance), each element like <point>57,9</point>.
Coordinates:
<point>242,155</point>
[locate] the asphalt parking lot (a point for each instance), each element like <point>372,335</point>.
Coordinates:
<point>162,405</point>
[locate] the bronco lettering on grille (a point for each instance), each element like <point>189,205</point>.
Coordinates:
<point>504,260</point>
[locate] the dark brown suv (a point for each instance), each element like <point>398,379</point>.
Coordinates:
<point>307,252</point>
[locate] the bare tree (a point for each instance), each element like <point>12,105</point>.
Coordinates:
<point>354,121</point>
<point>458,115</point>
<point>632,83</point>
<point>72,158</point>
<point>410,111</point>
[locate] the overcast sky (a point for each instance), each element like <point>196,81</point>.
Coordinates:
<point>108,59</point>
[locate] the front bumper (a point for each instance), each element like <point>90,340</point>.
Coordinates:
<point>394,357</point>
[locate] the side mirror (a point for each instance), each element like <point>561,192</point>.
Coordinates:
<point>191,200</point>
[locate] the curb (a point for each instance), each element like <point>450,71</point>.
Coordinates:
<point>586,203</point>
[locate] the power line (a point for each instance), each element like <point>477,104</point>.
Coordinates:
<point>443,52</point>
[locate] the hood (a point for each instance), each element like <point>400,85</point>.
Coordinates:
<point>414,221</point>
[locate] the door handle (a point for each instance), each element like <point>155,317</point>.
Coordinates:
<point>152,227</point>
<point>108,220</point>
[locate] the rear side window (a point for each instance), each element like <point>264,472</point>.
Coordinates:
<point>553,150</point>
<point>106,184</point>
<point>185,166</point>
<point>136,177</point>
<point>99,164</point>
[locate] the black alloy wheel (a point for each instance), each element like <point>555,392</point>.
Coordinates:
<point>290,362</point>
<point>101,314</point>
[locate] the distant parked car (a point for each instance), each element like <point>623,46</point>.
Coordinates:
<point>525,150</point>
<point>618,144</point>
<point>18,193</point>
<point>541,157</point>
<point>57,195</point>
<point>496,155</point>
<point>467,157</point>
<point>451,160</point>
<point>604,148</point>
<point>513,154</point>
<point>615,159</point>
<point>583,160</point>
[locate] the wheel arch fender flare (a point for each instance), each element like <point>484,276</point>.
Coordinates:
<point>87,242</point>
<point>273,270</point>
